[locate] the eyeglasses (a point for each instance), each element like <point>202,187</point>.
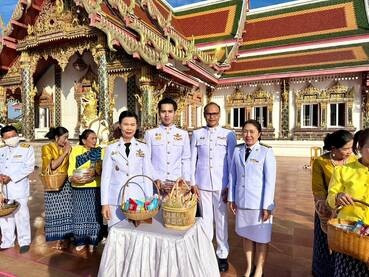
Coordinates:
<point>211,114</point>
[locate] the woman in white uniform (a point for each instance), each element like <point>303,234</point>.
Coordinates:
<point>251,195</point>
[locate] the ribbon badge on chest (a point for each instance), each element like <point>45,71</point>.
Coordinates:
<point>140,153</point>
<point>178,137</point>
<point>157,136</point>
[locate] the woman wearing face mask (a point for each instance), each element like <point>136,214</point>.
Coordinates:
<point>87,219</point>
<point>251,195</point>
<point>348,182</point>
<point>124,158</point>
<point>58,204</point>
<point>339,147</point>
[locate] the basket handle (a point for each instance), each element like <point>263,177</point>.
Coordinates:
<point>126,184</point>
<point>4,191</point>
<point>361,202</point>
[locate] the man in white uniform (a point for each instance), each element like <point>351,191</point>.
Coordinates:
<point>17,162</point>
<point>211,153</point>
<point>168,145</point>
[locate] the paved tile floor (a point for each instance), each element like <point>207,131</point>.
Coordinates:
<point>289,255</point>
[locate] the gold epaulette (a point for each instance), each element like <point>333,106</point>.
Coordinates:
<point>112,141</point>
<point>265,145</point>
<point>24,145</point>
<point>198,128</point>
<point>141,140</point>
<point>228,128</point>
<point>240,144</point>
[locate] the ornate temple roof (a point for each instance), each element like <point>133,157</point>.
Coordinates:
<point>221,41</point>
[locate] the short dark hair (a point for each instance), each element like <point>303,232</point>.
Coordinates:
<point>337,139</point>
<point>127,114</point>
<point>56,132</point>
<point>85,135</point>
<point>255,123</point>
<point>167,100</point>
<point>7,128</point>
<point>360,139</point>
<point>211,104</point>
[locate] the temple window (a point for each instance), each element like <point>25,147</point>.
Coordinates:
<point>257,104</point>
<point>238,117</point>
<point>310,115</point>
<point>261,115</point>
<point>337,114</point>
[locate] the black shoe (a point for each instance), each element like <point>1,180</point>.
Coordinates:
<point>223,265</point>
<point>24,249</point>
<point>3,249</point>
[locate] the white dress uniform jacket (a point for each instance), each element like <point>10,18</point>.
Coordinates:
<point>211,156</point>
<point>17,163</point>
<point>252,183</point>
<point>170,153</point>
<point>118,168</point>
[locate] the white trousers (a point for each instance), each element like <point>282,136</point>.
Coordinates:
<point>20,221</point>
<point>116,215</point>
<point>215,210</point>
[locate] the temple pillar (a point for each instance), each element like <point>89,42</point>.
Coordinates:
<point>365,100</point>
<point>57,103</point>
<point>28,93</point>
<point>285,128</point>
<point>104,96</point>
<point>146,100</point>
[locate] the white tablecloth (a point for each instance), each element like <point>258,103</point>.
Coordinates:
<point>151,250</point>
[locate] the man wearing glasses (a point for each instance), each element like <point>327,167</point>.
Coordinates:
<point>211,153</point>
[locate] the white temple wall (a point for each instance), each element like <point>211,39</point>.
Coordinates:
<point>69,109</point>
<point>120,97</point>
<point>46,82</point>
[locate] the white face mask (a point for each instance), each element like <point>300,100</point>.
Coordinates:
<point>12,142</point>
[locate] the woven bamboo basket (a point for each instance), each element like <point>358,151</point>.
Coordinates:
<point>82,181</point>
<point>347,242</point>
<point>53,181</point>
<point>178,218</point>
<point>7,209</point>
<point>138,215</point>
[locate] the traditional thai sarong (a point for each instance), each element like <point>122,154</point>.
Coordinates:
<point>323,261</point>
<point>58,214</point>
<point>347,266</point>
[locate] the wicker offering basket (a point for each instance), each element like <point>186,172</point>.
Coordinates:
<point>178,218</point>
<point>53,181</point>
<point>80,173</point>
<point>138,215</point>
<point>7,209</point>
<point>347,242</point>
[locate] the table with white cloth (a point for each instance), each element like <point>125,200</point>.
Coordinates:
<point>151,250</point>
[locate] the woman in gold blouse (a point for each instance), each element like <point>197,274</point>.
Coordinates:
<point>58,204</point>
<point>339,147</point>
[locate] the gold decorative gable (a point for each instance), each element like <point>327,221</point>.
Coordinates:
<point>259,97</point>
<point>340,92</point>
<point>54,22</point>
<point>309,94</point>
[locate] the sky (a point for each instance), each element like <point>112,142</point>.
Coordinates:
<point>7,6</point>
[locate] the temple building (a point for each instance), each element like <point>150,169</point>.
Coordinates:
<point>300,68</point>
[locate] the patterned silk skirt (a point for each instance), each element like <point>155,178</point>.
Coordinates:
<point>87,218</point>
<point>58,213</point>
<point>346,266</point>
<point>323,261</point>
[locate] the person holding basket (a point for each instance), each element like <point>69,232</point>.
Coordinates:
<point>84,172</point>
<point>339,152</point>
<point>124,158</point>
<point>58,203</point>
<point>349,184</point>
<point>17,162</point>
